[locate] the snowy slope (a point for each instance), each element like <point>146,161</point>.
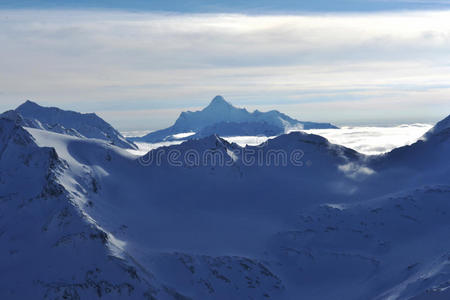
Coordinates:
<point>50,248</point>
<point>70,122</point>
<point>180,223</point>
<point>427,158</point>
<point>392,247</point>
<point>222,118</point>
<point>214,249</point>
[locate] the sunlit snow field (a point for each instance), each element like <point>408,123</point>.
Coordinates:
<point>368,140</point>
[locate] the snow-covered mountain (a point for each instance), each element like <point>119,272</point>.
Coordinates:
<point>50,248</point>
<point>296,217</point>
<point>223,119</point>
<point>69,122</point>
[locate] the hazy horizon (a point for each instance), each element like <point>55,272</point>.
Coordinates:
<point>170,115</point>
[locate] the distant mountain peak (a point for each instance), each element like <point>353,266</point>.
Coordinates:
<point>28,103</point>
<point>208,142</point>
<point>218,102</point>
<point>54,119</point>
<point>31,107</point>
<point>221,117</point>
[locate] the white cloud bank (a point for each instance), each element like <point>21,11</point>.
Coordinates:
<point>374,140</point>
<point>369,140</point>
<point>329,67</point>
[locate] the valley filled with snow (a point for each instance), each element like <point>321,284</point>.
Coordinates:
<point>282,216</point>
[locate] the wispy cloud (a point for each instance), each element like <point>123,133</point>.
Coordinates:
<point>89,59</point>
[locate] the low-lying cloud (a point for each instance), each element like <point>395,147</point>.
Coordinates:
<point>374,140</point>
<point>366,140</point>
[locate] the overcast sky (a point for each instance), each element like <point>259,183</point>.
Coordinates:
<point>139,65</point>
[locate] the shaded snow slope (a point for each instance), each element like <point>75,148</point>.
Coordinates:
<point>222,118</point>
<point>51,249</point>
<point>70,122</point>
<point>428,157</point>
<point>392,247</point>
<point>208,219</point>
<point>441,128</point>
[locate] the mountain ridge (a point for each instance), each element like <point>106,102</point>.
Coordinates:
<point>54,119</point>
<point>222,118</point>
<point>104,225</point>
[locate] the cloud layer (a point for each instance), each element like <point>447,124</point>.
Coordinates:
<point>374,140</point>
<point>323,67</point>
<point>369,140</point>
<point>364,139</point>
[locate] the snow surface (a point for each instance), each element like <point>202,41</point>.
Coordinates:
<point>71,123</point>
<point>182,135</point>
<point>81,218</point>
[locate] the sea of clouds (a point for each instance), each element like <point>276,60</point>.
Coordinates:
<point>374,140</point>
<point>369,140</point>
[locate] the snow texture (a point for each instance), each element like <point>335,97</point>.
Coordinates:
<point>84,219</point>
